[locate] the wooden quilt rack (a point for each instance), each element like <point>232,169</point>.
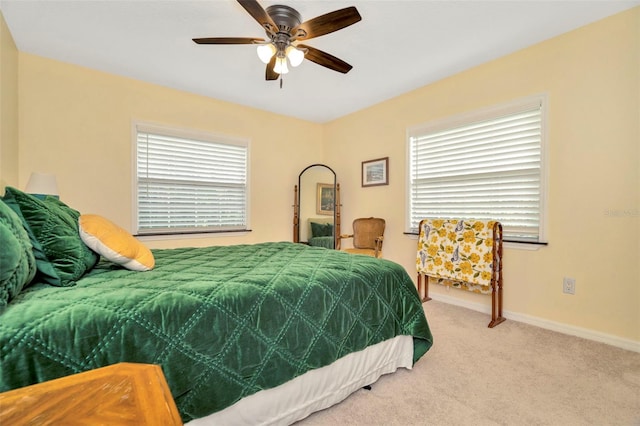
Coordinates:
<point>464,254</point>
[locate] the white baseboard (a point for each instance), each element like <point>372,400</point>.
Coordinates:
<point>584,333</point>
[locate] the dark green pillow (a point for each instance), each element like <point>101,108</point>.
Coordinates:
<point>17,263</point>
<point>321,229</point>
<point>45,271</point>
<point>61,255</point>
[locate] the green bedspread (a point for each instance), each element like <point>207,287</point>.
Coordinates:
<point>326,242</point>
<point>223,322</point>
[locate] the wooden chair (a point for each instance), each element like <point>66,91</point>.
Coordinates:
<point>368,235</point>
<point>465,254</point>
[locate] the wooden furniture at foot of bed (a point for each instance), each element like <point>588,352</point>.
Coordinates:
<point>120,394</point>
<point>464,254</point>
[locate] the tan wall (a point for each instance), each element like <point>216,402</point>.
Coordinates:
<point>77,123</point>
<point>591,76</point>
<point>8,107</point>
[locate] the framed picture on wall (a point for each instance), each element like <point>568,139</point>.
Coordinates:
<point>375,172</point>
<point>325,198</point>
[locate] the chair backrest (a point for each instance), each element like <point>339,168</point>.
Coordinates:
<point>366,230</point>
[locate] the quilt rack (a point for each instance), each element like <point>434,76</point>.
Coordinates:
<point>464,254</point>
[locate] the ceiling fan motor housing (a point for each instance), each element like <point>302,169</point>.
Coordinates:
<point>285,17</point>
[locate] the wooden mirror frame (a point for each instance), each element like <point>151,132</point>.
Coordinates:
<point>336,208</point>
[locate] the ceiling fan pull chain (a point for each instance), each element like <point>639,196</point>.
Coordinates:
<point>281,81</point>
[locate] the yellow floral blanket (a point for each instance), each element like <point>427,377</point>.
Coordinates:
<point>457,253</point>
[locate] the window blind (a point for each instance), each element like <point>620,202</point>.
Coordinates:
<point>189,185</point>
<point>489,169</point>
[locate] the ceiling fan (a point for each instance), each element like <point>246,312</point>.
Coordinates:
<point>284,28</point>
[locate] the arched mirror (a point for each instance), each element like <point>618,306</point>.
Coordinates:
<point>316,210</point>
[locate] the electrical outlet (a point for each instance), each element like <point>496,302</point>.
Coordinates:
<point>569,285</point>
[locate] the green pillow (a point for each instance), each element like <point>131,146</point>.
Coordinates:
<point>321,229</point>
<point>17,263</point>
<point>45,271</point>
<point>61,255</point>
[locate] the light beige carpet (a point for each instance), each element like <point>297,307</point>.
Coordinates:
<point>513,374</point>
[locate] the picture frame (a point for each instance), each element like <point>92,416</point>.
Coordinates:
<point>326,196</point>
<point>375,172</point>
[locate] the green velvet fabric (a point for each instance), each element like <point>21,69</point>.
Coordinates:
<point>44,270</point>
<point>61,255</point>
<point>17,263</point>
<point>223,322</point>
<point>321,229</point>
<point>326,242</point>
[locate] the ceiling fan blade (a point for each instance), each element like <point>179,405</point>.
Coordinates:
<point>269,73</point>
<point>259,14</point>
<point>228,40</point>
<point>325,59</point>
<point>328,23</point>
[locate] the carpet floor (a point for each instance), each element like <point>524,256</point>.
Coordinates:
<point>513,374</point>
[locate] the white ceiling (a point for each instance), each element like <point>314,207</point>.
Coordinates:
<point>398,46</point>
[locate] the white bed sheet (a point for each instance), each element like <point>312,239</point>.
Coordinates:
<point>317,389</point>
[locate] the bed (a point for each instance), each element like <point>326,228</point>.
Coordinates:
<point>320,232</point>
<point>248,334</point>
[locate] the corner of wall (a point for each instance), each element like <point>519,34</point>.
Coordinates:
<point>8,107</point>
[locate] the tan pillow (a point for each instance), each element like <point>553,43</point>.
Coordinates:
<point>114,243</point>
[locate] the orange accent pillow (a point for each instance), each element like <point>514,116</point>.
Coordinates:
<point>114,243</point>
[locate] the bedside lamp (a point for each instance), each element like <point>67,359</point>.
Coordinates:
<point>42,184</point>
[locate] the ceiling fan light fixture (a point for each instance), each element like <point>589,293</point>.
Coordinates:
<point>295,55</point>
<point>281,66</point>
<point>284,29</point>
<point>266,51</point>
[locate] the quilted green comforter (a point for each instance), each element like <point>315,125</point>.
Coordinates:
<point>223,322</point>
<point>326,242</point>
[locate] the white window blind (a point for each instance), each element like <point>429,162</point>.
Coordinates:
<point>187,184</point>
<point>489,169</point>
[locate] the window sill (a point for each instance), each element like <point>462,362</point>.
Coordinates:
<point>523,246</point>
<point>505,244</point>
<point>194,235</point>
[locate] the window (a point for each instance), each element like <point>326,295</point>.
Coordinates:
<point>483,165</point>
<point>188,182</point>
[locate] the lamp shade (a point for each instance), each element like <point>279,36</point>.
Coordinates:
<point>266,51</point>
<point>42,184</point>
<point>296,56</point>
<point>281,66</point>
